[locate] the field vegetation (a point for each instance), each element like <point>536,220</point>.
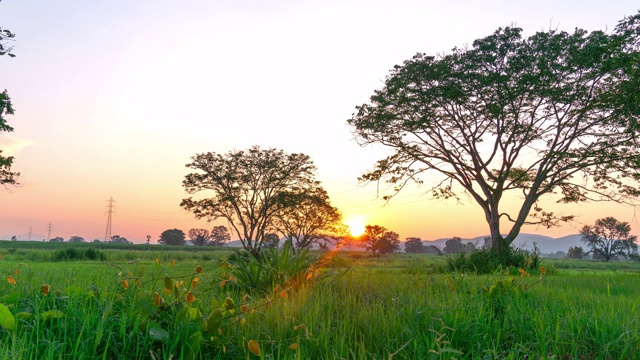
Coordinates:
<point>160,302</point>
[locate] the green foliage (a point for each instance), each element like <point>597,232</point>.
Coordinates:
<point>72,253</point>
<point>248,189</point>
<point>272,267</point>
<point>609,238</point>
<point>513,118</point>
<point>487,261</point>
<point>172,237</point>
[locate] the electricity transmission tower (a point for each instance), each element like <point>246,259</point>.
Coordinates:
<point>49,233</point>
<point>110,212</point>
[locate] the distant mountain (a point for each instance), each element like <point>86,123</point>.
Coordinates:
<point>546,244</point>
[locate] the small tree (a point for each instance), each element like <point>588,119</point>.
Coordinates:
<point>308,218</point>
<point>219,236</point>
<point>56,239</point>
<point>379,240</point>
<point>388,244</point>
<point>414,245</point>
<point>576,252</point>
<point>249,189</point>
<point>454,246</point>
<point>271,241</point>
<point>117,239</point>
<point>199,237</point>
<point>609,238</point>
<point>172,237</point>
<point>76,239</point>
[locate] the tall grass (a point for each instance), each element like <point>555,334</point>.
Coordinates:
<point>405,307</point>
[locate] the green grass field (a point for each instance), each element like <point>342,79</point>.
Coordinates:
<point>400,307</point>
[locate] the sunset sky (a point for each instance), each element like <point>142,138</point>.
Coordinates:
<point>112,98</point>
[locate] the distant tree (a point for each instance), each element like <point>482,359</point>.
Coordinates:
<point>469,247</point>
<point>379,240</point>
<point>388,244</point>
<point>560,254</point>
<point>454,246</point>
<point>249,188</point>
<point>609,238</point>
<point>96,241</point>
<point>219,236</point>
<point>576,252</point>
<point>413,245</point>
<point>172,237</point>
<point>148,239</point>
<point>117,239</point>
<point>432,249</point>
<point>56,239</point>
<point>308,218</point>
<point>14,238</point>
<point>271,241</point>
<point>514,118</point>
<point>76,239</point>
<point>199,237</point>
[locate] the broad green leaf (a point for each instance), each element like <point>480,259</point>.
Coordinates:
<point>157,333</point>
<point>214,320</point>
<point>23,315</point>
<point>7,320</point>
<point>52,314</point>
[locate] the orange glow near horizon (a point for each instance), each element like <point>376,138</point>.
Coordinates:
<point>356,226</point>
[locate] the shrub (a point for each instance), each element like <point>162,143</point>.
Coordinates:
<point>269,268</point>
<point>485,261</point>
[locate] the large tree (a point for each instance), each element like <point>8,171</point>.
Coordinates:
<point>308,218</point>
<point>514,117</point>
<point>609,238</point>
<point>249,188</point>
<point>6,108</point>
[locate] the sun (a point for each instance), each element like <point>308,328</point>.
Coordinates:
<point>356,226</point>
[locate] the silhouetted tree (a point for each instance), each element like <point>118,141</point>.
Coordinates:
<point>56,239</point>
<point>76,239</point>
<point>554,113</point>
<point>199,237</point>
<point>576,252</point>
<point>307,218</point>
<point>249,189</point>
<point>271,241</point>
<point>413,245</point>
<point>219,236</point>
<point>172,237</point>
<point>454,246</point>
<point>379,240</point>
<point>117,239</point>
<point>609,238</point>
<point>96,241</point>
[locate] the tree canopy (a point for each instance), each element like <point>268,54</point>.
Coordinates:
<point>554,113</point>
<point>379,240</point>
<point>308,217</point>
<point>219,236</point>
<point>609,238</point>
<point>172,237</point>
<point>6,108</point>
<point>249,189</point>
<point>199,237</point>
